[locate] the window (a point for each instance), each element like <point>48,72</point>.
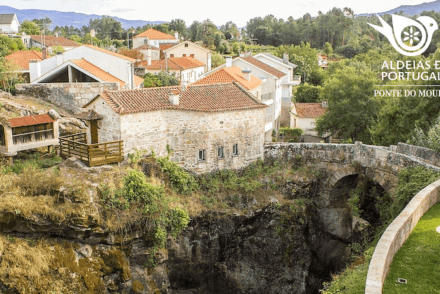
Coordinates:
<point>192,55</point>
<point>202,155</point>
<point>221,154</point>
<point>184,55</point>
<point>171,55</point>
<point>186,45</point>
<point>235,150</point>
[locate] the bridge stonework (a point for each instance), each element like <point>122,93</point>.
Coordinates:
<point>381,164</point>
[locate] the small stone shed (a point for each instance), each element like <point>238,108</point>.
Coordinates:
<point>208,127</point>
<point>28,132</point>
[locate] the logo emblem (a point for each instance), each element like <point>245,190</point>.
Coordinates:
<point>409,37</point>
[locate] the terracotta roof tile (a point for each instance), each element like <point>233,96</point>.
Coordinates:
<point>174,63</point>
<point>21,58</point>
<point>206,98</point>
<point>264,66</point>
<point>138,80</point>
<point>89,115</point>
<point>145,47</point>
<point>310,110</point>
<point>111,53</point>
<point>153,34</point>
<point>54,41</point>
<point>30,120</point>
<point>96,71</point>
<point>228,75</point>
<point>165,46</point>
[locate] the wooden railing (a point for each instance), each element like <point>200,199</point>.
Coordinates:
<point>91,154</point>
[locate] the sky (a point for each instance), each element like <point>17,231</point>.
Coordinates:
<point>219,12</point>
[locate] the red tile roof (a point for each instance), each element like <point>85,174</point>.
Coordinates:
<point>165,46</point>
<point>21,58</point>
<point>152,34</point>
<point>50,41</point>
<point>145,47</point>
<point>111,53</point>
<point>138,80</point>
<point>30,120</point>
<point>96,71</point>
<point>310,110</point>
<point>206,98</point>
<point>264,66</point>
<point>174,63</point>
<point>228,75</point>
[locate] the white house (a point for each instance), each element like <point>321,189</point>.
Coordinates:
<point>187,69</point>
<point>271,89</point>
<point>86,64</point>
<point>323,61</point>
<point>304,116</point>
<point>154,38</point>
<point>9,24</point>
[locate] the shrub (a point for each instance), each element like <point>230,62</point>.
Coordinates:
<point>181,181</point>
<point>136,189</point>
<point>178,220</point>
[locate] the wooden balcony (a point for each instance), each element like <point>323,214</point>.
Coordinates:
<point>91,154</point>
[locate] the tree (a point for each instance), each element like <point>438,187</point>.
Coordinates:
<point>160,80</point>
<point>328,49</point>
<point>9,75</point>
<point>75,38</point>
<point>29,28</point>
<point>8,45</point>
<point>106,27</point>
<point>429,140</point>
<point>178,25</point>
<point>44,24</point>
<point>196,31</point>
<point>306,93</point>
<point>135,54</point>
<point>56,49</point>
<point>352,109</point>
<point>217,60</point>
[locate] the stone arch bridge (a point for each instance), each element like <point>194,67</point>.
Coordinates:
<point>342,161</point>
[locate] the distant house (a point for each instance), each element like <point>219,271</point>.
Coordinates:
<point>188,49</point>
<point>22,58</point>
<point>154,51</point>
<point>208,127</point>
<point>88,64</point>
<point>154,38</point>
<point>187,69</point>
<point>304,116</point>
<point>9,24</point>
<point>323,61</point>
<point>234,74</point>
<point>43,41</point>
<point>270,89</point>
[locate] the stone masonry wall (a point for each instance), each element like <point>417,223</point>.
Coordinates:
<point>424,154</point>
<point>70,96</point>
<point>286,104</point>
<point>187,132</point>
<point>109,126</point>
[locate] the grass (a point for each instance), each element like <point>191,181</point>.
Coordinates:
<point>418,261</point>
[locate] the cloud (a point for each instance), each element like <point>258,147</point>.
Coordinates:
<point>122,9</point>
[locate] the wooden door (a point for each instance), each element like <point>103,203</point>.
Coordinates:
<point>94,131</point>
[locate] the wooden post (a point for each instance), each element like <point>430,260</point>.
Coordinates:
<point>10,160</point>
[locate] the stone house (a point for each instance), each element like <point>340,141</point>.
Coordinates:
<point>22,58</point>
<point>187,69</point>
<point>271,91</point>
<point>86,64</point>
<point>154,38</point>
<point>208,127</point>
<point>304,115</point>
<point>29,132</point>
<point>9,24</point>
<point>43,41</point>
<point>188,49</point>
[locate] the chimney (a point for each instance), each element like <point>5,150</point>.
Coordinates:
<point>59,57</point>
<point>228,61</point>
<point>176,35</point>
<point>246,74</point>
<point>34,69</point>
<point>286,58</point>
<point>55,34</point>
<point>174,97</point>
<point>44,53</point>
<point>324,103</point>
<point>149,56</point>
